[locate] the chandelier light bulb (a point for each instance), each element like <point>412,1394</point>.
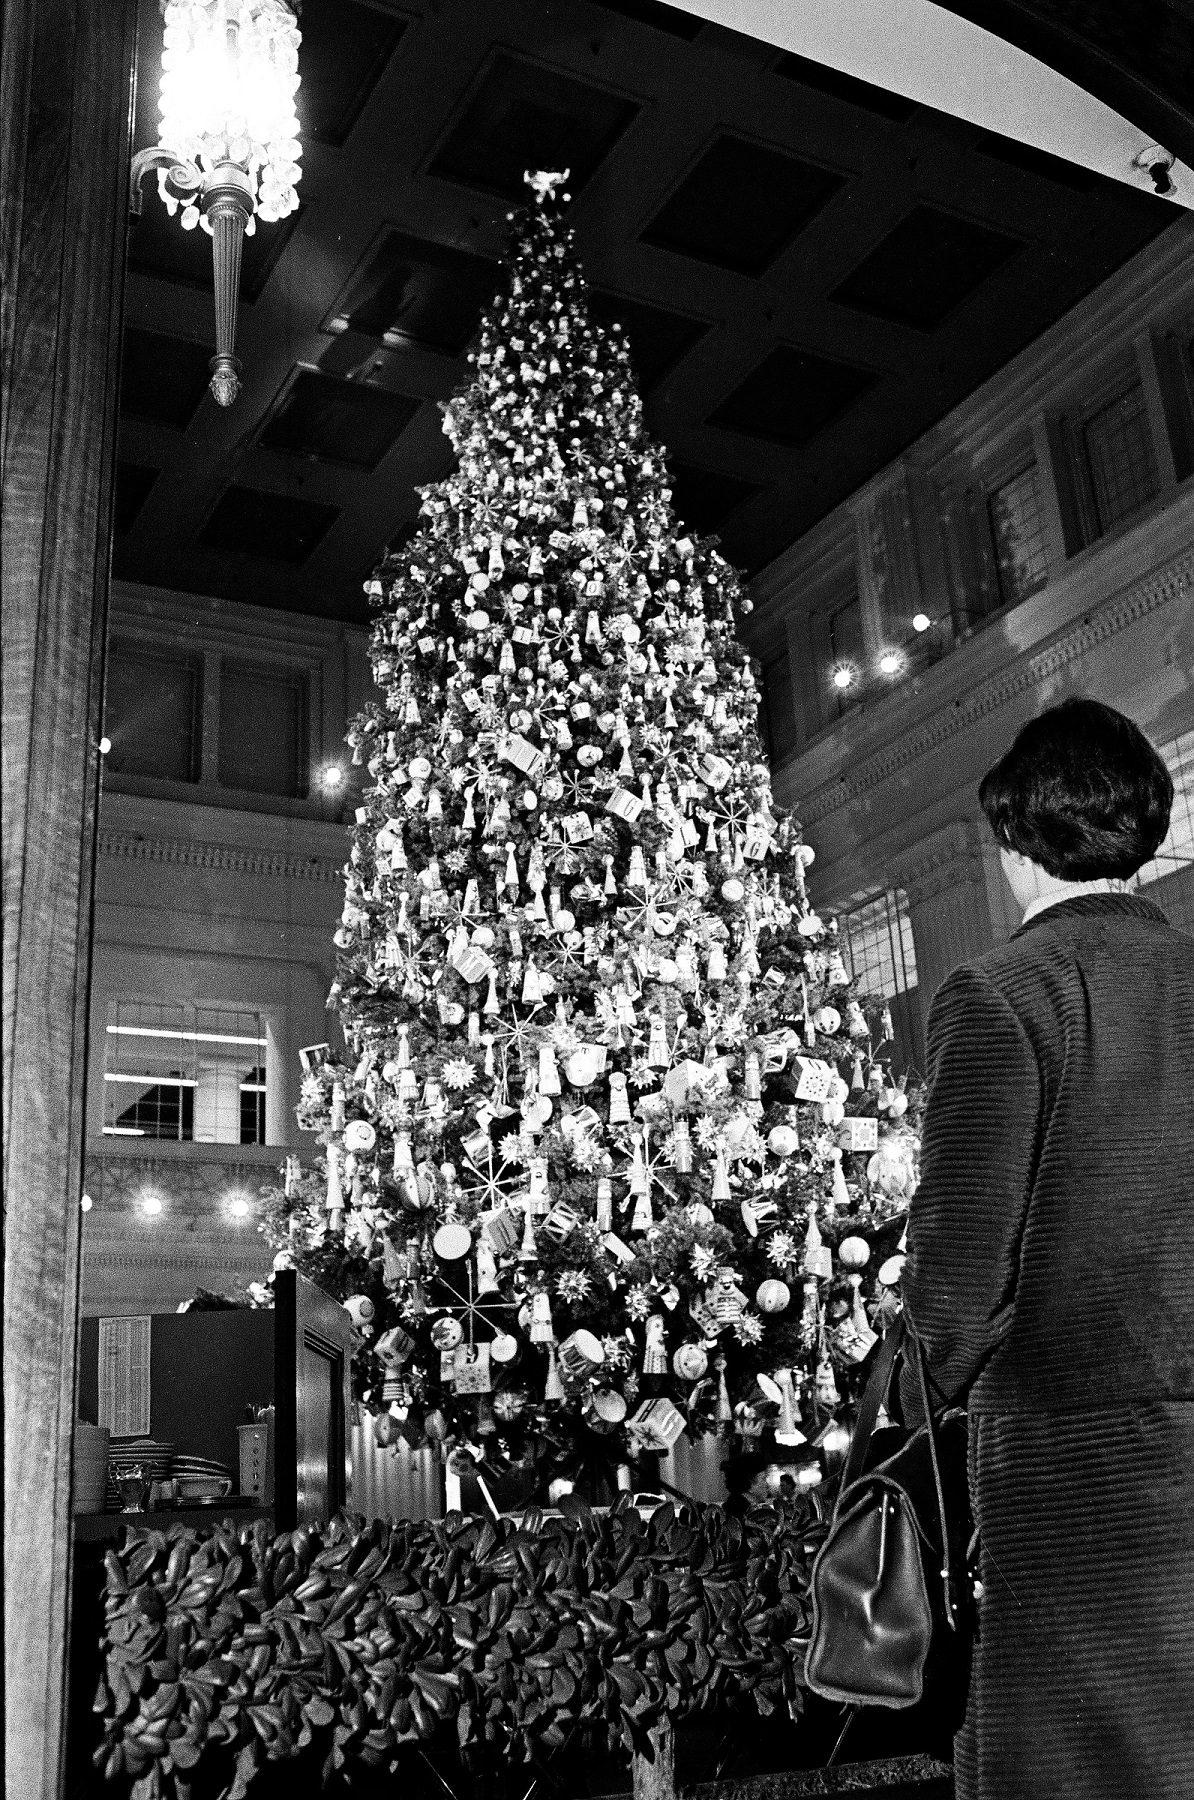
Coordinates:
<point>843,677</point>
<point>239,1208</point>
<point>921,621</point>
<point>229,77</point>
<point>151,1205</point>
<point>332,778</point>
<point>890,663</point>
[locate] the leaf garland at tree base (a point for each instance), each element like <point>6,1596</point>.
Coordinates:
<point>508,1637</point>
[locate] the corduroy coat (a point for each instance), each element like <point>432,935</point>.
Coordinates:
<point>1050,1274</point>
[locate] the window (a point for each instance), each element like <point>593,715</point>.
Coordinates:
<point>263,729</point>
<point>190,1073</point>
<point>779,707</point>
<point>1018,535</point>
<point>838,646</point>
<point>1120,466</point>
<point>875,935</point>
<point>152,713</point>
<point>1177,851</point>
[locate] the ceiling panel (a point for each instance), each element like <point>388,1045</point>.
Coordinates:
<point>346,47</point>
<point>658,339</point>
<point>792,395</point>
<point>1032,161</point>
<point>162,379</point>
<point>133,482</point>
<point>250,522</point>
<point>704,498</point>
<point>741,205</point>
<point>879,101</point>
<point>408,289</point>
<point>337,421</point>
<point>671,19</point>
<point>159,246</point>
<point>925,268</point>
<point>524,115</point>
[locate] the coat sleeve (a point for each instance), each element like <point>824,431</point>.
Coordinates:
<point>978,1155</point>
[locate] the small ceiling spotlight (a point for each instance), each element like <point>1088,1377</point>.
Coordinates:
<point>890,663</point>
<point>239,1207</point>
<point>331,778</point>
<point>921,621</point>
<point>105,744</point>
<point>843,677</point>
<point>86,1203</point>
<point>151,1205</point>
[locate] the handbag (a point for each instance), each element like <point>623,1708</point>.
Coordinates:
<point>892,1607</point>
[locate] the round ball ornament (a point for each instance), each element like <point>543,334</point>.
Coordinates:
<point>446,1333</point>
<point>891,1270</point>
<point>536,1112</point>
<point>690,1362</point>
<point>783,1140</point>
<point>732,889</point>
<point>360,1309</point>
<point>701,1214</point>
<point>451,1012</point>
<point>854,1253</point>
<point>452,1241</point>
<point>504,1348</point>
<point>608,1407</point>
<point>829,1020</point>
<point>773,1295</point>
<point>420,768</point>
<point>385,1430</point>
<point>359,1136</point>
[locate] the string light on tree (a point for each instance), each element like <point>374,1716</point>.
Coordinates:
<point>600,1050</point>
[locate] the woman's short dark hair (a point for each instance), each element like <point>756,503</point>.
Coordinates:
<point>1081,792</point>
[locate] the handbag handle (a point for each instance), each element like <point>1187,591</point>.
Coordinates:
<point>864,1427</point>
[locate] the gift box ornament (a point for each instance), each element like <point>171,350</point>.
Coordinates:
<point>657,1425</point>
<point>471,1370</point>
<point>504,1230</point>
<point>816,1079</point>
<point>854,1134</point>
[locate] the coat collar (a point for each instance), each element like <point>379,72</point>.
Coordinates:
<point>1095,906</point>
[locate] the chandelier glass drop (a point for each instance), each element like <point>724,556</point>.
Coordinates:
<point>228,143</point>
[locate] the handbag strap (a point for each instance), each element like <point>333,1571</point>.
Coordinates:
<point>864,1426</point>
<point>873,1397</point>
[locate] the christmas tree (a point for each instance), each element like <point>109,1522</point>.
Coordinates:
<point>612,1150</point>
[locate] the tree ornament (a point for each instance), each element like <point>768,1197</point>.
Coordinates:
<point>654,1352</point>
<point>541,1330</point>
<point>773,1295</point>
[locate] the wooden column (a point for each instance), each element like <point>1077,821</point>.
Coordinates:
<point>65,92</point>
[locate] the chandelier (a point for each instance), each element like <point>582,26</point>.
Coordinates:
<point>228,146</point>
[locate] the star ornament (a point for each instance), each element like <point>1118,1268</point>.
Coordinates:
<point>543,183</point>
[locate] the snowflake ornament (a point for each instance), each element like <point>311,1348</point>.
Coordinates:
<point>459,1073</point>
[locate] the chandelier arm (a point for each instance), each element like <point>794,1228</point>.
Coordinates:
<point>182,181</point>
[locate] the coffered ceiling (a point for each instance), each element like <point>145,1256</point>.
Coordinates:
<point>810,272</point>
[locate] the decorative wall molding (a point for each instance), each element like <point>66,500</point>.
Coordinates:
<point>1106,619</point>
<point>235,859</point>
<point>950,858</point>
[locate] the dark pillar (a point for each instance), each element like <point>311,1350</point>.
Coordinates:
<point>65,91</point>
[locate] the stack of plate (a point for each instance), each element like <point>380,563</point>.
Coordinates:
<point>153,1456</point>
<point>200,1478</point>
